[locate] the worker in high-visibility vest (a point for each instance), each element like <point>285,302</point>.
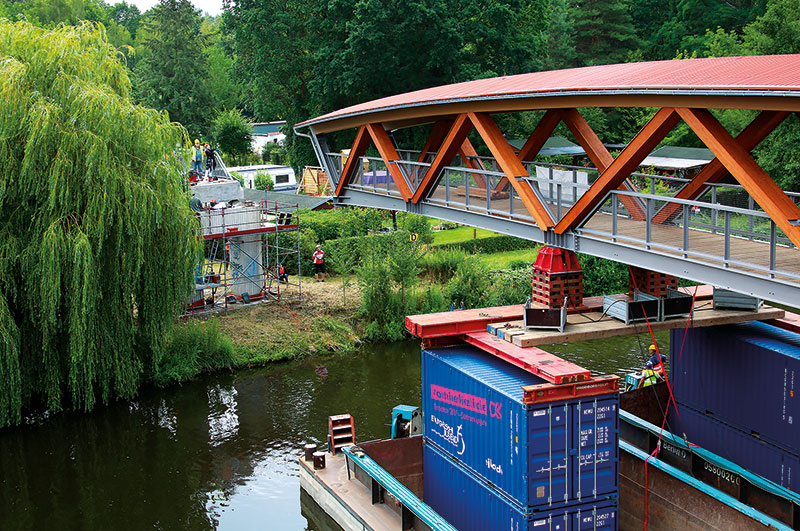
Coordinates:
<point>649,376</point>
<point>657,360</point>
<point>197,156</point>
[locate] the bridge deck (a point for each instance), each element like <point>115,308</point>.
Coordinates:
<point>747,255</point>
<point>703,245</point>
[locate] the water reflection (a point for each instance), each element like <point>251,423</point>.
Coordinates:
<point>218,453</point>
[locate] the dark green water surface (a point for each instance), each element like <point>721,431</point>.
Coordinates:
<point>220,452</point>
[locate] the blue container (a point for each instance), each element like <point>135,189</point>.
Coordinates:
<point>758,456</point>
<point>544,455</point>
<point>745,375</point>
<point>468,502</point>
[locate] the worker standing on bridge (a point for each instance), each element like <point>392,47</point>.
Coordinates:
<point>649,376</point>
<point>319,264</point>
<point>197,157</point>
<point>657,360</point>
<point>211,163</point>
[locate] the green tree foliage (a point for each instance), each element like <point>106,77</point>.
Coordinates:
<point>97,240</point>
<point>233,134</point>
<point>604,32</point>
<point>302,58</point>
<point>172,74</point>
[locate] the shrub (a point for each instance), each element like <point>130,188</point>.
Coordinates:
<point>430,300</point>
<point>416,224</point>
<point>601,276</point>
<point>192,347</point>
<point>263,181</point>
<point>492,244</point>
<point>512,286</point>
<point>440,264</point>
<point>469,284</point>
<point>238,177</point>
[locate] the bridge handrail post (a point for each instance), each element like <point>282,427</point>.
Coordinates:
<point>686,220</point>
<point>489,188</point>
<point>714,210</point>
<point>727,251</point>
<point>614,213</point>
<point>558,201</point>
<point>750,206</point>
<point>772,248</point>
<point>649,226</point>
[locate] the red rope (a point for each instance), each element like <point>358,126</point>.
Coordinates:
<point>671,399</point>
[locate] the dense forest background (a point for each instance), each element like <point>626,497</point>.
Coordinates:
<point>295,59</point>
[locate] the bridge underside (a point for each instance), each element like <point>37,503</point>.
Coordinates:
<point>729,224</point>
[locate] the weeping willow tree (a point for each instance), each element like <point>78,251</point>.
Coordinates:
<point>96,238</point>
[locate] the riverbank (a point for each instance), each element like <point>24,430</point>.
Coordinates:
<point>324,320</point>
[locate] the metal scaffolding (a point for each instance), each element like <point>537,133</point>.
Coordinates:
<point>245,248</point>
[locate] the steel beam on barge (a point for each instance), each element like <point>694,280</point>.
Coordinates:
<point>459,322</point>
<point>534,360</point>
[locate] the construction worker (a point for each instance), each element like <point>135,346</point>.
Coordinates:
<point>197,157</point>
<point>649,376</point>
<point>319,264</point>
<point>657,360</point>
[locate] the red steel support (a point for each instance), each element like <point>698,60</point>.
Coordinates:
<point>642,144</point>
<point>534,360</point>
<point>714,171</point>
<point>738,161</point>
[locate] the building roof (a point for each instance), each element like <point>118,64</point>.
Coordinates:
<point>678,158</point>
<point>719,82</point>
<point>555,145</point>
<point>268,128</point>
<point>309,202</point>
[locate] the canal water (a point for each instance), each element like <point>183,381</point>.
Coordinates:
<point>221,452</point>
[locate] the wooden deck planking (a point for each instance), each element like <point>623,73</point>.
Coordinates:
<point>348,502</point>
<point>593,325</point>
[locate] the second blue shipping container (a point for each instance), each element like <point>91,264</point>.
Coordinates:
<point>539,455</point>
<point>470,503</point>
<point>742,448</point>
<point>744,375</point>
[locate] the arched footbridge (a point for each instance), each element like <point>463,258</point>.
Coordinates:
<point>730,224</point>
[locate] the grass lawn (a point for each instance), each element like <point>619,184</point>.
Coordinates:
<point>501,260</point>
<point>459,235</point>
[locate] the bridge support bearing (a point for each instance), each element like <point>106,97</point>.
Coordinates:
<point>650,282</point>
<point>556,275</point>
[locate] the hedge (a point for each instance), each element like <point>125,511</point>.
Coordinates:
<point>490,245</point>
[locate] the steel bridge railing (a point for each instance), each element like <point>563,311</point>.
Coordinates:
<point>723,226</point>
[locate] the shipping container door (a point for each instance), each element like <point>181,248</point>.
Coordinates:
<point>598,517</point>
<point>595,461</point>
<point>548,449</point>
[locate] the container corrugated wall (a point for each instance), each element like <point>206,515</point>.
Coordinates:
<point>469,503</point>
<point>543,455</point>
<point>745,375</point>
<point>758,456</point>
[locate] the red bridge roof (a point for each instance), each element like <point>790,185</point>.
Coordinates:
<point>656,83</point>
